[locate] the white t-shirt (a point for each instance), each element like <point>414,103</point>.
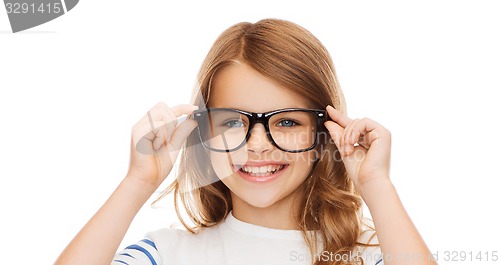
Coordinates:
<point>230,242</point>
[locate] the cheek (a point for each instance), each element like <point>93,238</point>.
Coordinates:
<point>302,164</point>
<point>302,160</point>
<point>222,163</point>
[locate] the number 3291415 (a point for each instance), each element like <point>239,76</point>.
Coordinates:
<point>484,256</point>
<point>24,8</point>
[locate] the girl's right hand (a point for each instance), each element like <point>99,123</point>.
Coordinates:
<point>156,142</point>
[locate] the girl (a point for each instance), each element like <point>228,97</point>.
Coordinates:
<point>272,170</point>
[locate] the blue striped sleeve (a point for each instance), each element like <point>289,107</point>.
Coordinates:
<point>143,252</point>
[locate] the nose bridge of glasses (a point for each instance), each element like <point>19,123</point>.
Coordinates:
<point>262,121</point>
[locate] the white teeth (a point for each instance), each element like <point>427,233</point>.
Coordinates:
<point>262,170</point>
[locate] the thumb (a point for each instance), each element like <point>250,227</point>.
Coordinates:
<point>178,137</point>
<point>336,132</point>
<point>180,134</point>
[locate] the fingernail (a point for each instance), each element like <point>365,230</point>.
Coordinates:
<point>181,119</point>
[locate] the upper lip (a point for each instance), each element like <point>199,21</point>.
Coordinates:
<point>260,163</point>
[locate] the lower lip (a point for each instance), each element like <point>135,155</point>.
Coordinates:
<point>261,179</point>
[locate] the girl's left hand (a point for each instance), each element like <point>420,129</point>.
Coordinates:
<point>365,147</point>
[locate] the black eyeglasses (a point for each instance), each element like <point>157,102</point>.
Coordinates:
<point>291,130</point>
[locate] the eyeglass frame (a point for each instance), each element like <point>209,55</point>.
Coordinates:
<point>263,118</point>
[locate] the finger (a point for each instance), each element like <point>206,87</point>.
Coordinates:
<point>367,138</point>
<point>142,138</point>
<point>181,133</point>
<point>162,124</point>
<point>174,112</point>
<point>179,137</point>
<point>157,114</point>
<point>370,132</point>
<point>157,126</point>
<point>338,116</point>
<point>363,140</point>
<point>158,142</point>
<point>170,115</point>
<point>169,118</point>
<point>351,136</point>
<point>336,132</point>
<point>186,109</point>
<point>343,141</point>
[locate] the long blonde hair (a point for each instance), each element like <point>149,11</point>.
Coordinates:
<point>291,55</point>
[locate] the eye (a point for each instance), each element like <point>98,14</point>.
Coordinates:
<point>287,123</point>
<point>234,123</point>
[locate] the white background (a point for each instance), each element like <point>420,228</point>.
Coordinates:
<point>71,89</point>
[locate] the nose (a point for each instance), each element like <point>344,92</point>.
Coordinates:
<point>258,141</point>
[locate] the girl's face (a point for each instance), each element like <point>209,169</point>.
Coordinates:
<point>280,173</point>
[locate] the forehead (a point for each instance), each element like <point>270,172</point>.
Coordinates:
<point>239,86</point>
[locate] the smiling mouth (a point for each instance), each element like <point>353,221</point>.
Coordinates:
<point>262,171</point>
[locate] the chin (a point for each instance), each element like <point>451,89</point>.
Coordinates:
<point>262,198</point>
<point>260,191</point>
<point>260,201</point>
